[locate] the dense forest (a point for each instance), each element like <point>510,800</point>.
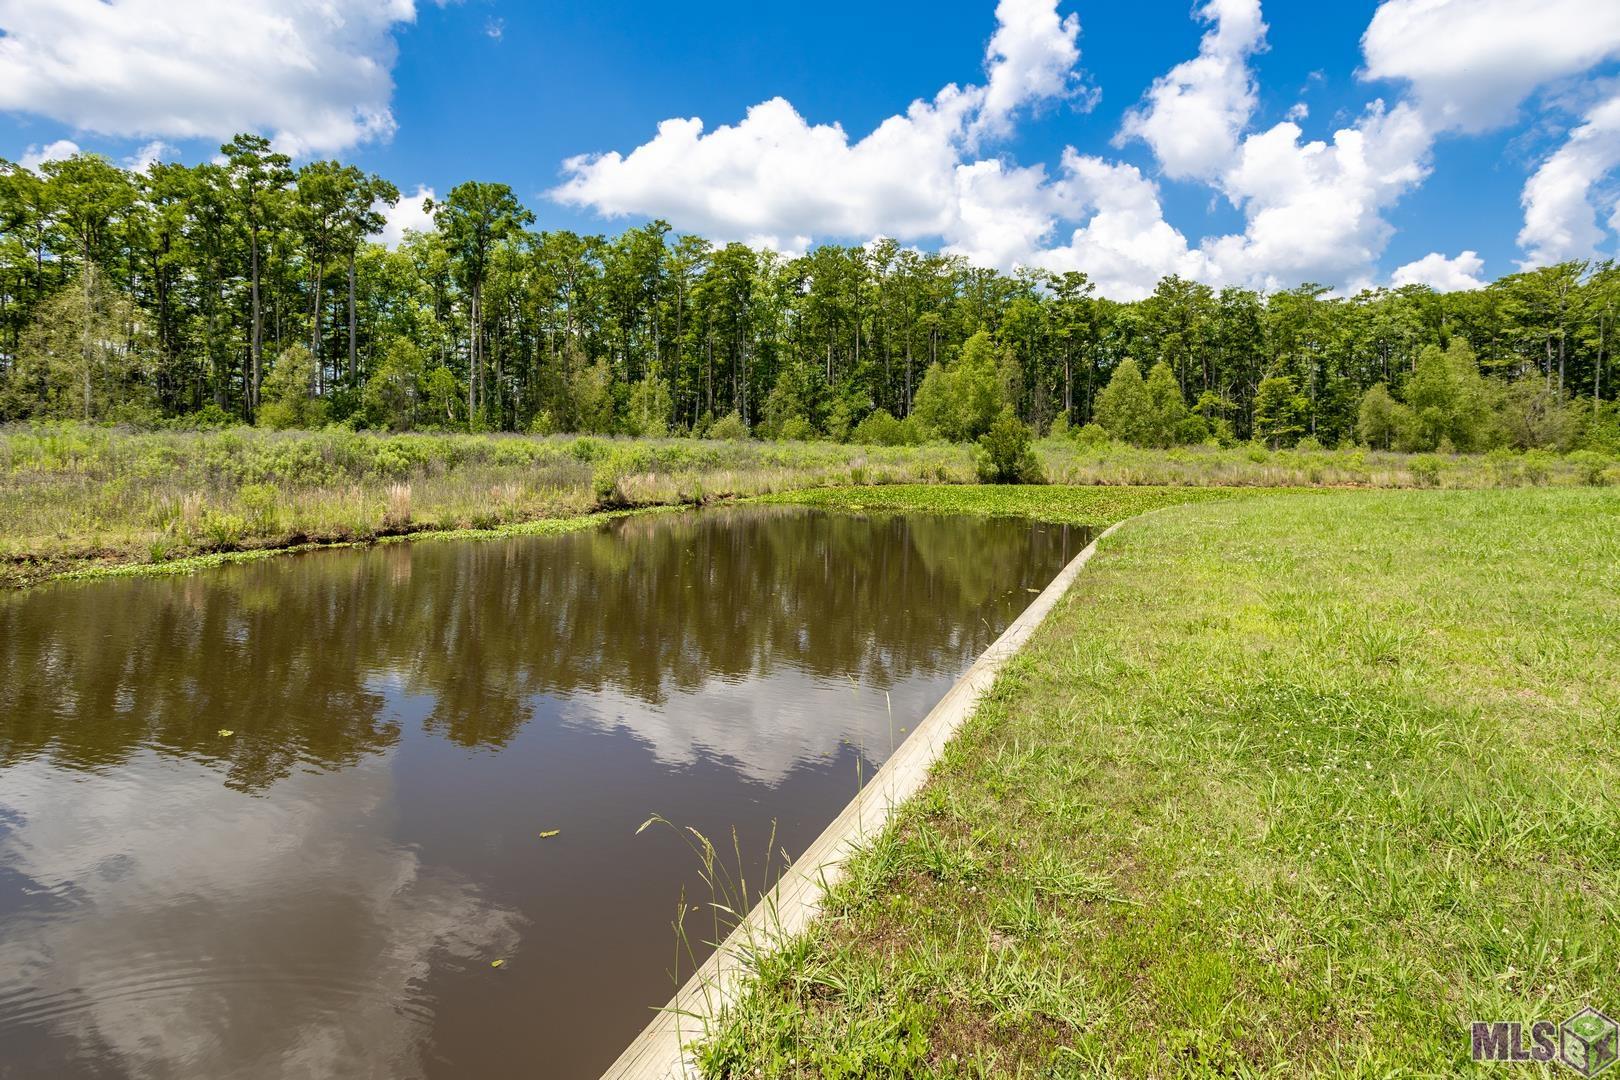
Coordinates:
<point>248,290</point>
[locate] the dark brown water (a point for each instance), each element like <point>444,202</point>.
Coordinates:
<point>322,891</point>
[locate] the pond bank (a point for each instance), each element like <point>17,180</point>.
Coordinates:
<point>76,498</point>
<point>1283,785</point>
<point>794,902</point>
<point>1094,507</point>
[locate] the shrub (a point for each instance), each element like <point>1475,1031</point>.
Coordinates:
<point>259,500</point>
<point>1591,466</point>
<point>882,429</point>
<point>287,396</point>
<point>729,427</point>
<point>650,407</point>
<point>1279,411</point>
<point>1124,409</point>
<point>1092,435</point>
<point>959,402</point>
<point>1191,430</point>
<point>797,429</point>
<point>1005,455</point>
<point>392,397</point>
<point>1426,470</point>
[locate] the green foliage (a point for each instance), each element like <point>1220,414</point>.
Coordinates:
<point>1006,455</point>
<point>443,394</point>
<point>650,407</point>
<point>1167,410</point>
<point>849,404</point>
<point>1279,411</point>
<point>82,357</point>
<point>796,396</point>
<point>797,429</point>
<point>729,427</point>
<point>590,391</point>
<point>191,270</point>
<point>1449,401</point>
<point>959,403</point>
<point>288,399</point>
<point>1092,436</point>
<point>1381,421</point>
<point>394,396</point>
<point>881,429</point>
<point>1533,416</point>
<point>1124,408</point>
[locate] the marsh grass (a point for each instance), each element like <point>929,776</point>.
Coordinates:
<point>1287,786</point>
<point>74,497</point>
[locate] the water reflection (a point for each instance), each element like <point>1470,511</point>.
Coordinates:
<point>320,892</point>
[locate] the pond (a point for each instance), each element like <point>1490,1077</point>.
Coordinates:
<point>281,819</point>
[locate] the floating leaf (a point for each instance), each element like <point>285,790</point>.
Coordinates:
<point>226,733</point>
<point>496,963</point>
<point>549,833</point>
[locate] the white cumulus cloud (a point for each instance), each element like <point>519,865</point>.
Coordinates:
<point>1471,62</point>
<point>1031,58</point>
<point>1442,273</point>
<point>315,75</point>
<point>1314,207</point>
<point>410,214</point>
<point>776,177</point>
<point>1560,220</point>
<point>775,174</point>
<point>1194,114</point>
<point>60,150</point>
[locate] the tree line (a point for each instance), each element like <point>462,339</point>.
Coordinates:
<point>247,290</point>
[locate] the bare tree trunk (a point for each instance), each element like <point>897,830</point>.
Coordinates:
<point>317,273</point>
<point>473,354</point>
<point>353,356</point>
<point>257,358</point>
<point>87,343</point>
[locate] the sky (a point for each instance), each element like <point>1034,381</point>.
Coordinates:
<point>1256,142</point>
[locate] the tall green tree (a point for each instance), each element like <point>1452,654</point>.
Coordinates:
<point>473,220</point>
<point>258,176</point>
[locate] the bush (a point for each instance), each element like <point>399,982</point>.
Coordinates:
<point>1591,464</point>
<point>729,427</point>
<point>1191,430</point>
<point>1426,470</point>
<point>882,429</point>
<point>797,429</point>
<point>1091,436</point>
<point>208,418</point>
<point>287,396</point>
<point>1005,454</point>
<point>958,403</point>
<point>650,407</point>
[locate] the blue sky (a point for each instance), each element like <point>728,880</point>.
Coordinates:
<point>496,90</point>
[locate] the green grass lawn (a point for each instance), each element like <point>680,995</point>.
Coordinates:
<point>1092,506</point>
<point>1289,785</point>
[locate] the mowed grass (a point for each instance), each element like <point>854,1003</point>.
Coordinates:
<point>1297,785</point>
<point>1064,505</point>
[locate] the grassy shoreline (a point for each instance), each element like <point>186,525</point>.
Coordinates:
<point>78,501</point>
<point>1285,786</point>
